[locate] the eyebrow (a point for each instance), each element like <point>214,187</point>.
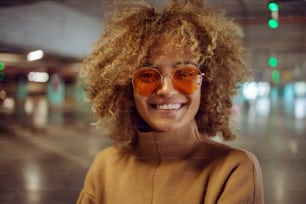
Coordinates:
<point>185,62</point>
<point>174,65</point>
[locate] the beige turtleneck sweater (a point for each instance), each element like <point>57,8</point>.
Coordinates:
<point>179,167</point>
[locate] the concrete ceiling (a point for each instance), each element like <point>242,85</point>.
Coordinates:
<point>66,29</point>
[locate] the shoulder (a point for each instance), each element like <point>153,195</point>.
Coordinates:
<point>111,155</point>
<point>236,168</point>
<point>228,156</point>
<point>239,156</point>
<point>111,151</point>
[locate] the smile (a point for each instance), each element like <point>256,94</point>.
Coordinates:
<point>168,106</point>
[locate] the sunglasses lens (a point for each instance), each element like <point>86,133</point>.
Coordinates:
<point>187,80</point>
<point>146,81</point>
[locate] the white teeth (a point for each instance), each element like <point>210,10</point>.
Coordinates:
<point>168,106</point>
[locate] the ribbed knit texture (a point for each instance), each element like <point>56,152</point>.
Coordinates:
<point>179,167</point>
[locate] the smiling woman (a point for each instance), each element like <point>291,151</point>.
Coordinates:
<point>161,96</point>
<point>174,102</point>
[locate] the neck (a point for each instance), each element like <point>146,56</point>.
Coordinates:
<point>169,145</point>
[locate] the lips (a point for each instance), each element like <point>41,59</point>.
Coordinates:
<point>173,106</point>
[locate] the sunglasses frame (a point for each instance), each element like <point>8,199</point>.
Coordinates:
<point>201,74</point>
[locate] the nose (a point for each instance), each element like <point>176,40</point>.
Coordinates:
<point>167,88</point>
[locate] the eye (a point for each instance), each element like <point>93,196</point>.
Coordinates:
<point>187,73</point>
<point>148,75</point>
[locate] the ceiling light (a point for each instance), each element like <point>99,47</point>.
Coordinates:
<point>38,77</point>
<point>35,55</point>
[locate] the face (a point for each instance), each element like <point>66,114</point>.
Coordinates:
<point>167,108</point>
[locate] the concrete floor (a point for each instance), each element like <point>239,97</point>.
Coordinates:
<point>48,166</point>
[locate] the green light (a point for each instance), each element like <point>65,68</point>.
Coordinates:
<point>273,6</point>
<point>272,61</point>
<point>273,23</point>
<point>1,66</point>
<point>2,75</point>
<point>275,76</point>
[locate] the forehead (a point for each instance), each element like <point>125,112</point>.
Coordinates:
<point>170,49</point>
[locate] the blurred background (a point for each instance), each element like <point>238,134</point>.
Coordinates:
<point>47,137</point>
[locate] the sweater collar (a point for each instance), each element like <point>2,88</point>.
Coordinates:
<point>170,145</point>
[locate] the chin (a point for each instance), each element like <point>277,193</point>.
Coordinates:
<point>164,127</point>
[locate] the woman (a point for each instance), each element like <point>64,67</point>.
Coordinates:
<point>161,84</point>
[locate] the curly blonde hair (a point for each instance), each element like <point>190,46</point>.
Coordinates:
<point>131,33</point>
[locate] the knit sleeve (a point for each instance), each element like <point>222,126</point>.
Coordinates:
<point>85,198</point>
<point>87,195</point>
<point>244,181</point>
<point>92,191</point>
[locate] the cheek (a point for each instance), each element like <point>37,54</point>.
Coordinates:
<point>195,103</point>
<point>140,103</point>
<point>196,99</point>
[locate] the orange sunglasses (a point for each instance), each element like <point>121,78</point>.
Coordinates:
<point>147,80</point>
